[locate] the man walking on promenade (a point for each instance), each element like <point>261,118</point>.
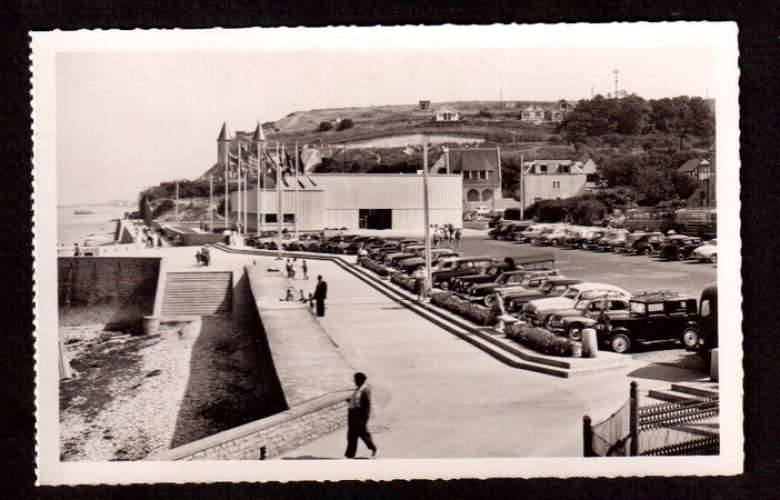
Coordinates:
<point>357,417</point>
<point>304,269</point>
<point>320,294</point>
<point>457,238</point>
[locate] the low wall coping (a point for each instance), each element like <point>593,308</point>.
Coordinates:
<point>306,407</point>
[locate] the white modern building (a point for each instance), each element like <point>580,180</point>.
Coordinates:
<point>357,201</point>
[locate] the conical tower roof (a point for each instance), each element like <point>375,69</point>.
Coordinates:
<point>259,135</point>
<point>224,134</point>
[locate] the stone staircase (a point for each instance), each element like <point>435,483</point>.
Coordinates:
<point>687,391</point>
<point>198,293</point>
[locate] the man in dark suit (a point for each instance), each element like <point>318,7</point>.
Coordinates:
<point>357,417</point>
<point>320,294</point>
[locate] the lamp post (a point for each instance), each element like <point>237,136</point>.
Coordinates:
<point>238,191</point>
<point>224,140</point>
<point>259,139</point>
<point>278,202</point>
<point>211,202</point>
<point>426,215</point>
<point>176,211</point>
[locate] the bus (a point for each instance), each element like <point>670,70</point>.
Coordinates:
<point>649,220</point>
<point>701,222</point>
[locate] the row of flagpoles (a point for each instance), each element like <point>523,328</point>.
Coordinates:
<point>265,165</point>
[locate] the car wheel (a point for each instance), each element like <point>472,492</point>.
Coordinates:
<point>266,246</point>
<point>639,251</point>
<point>680,256</point>
<point>714,258</point>
<point>547,322</point>
<point>620,343</point>
<point>575,331</point>
<point>490,301</point>
<point>690,339</point>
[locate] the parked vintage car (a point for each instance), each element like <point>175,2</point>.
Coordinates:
<point>652,316</point>
<point>514,300</point>
<point>306,243</point>
<point>590,238</point>
<point>647,243</point>
<point>506,282</point>
<point>265,240</point>
<point>585,314</point>
<point>605,242</point>
<point>532,232</point>
<point>441,278</point>
<point>410,265</point>
<point>708,323</point>
<point>616,241</point>
<point>491,273</point>
<point>501,230</point>
<point>679,247</point>
<point>554,237</point>
<point>537,311</point>
<point>708,252</point>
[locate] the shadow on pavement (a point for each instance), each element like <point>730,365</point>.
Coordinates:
<point>665,373</point>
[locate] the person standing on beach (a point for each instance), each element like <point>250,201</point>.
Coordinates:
<point>320,294</point>
<point>357,417</point>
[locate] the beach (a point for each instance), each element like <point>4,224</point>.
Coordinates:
<point>100,223</point>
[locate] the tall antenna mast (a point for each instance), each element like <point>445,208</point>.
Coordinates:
<point>617,72</point>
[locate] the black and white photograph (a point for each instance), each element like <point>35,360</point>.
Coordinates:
<point>277,254</point>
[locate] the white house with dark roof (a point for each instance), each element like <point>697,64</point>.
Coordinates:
<point>537,113</point>
<point>447,114</point>
<point>552,180</point>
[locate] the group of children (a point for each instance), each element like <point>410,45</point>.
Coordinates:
<point>203,256</point>
<point>292,268</point>
<point>446,235</point>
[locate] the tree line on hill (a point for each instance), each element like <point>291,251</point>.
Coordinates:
<point>681,116</point>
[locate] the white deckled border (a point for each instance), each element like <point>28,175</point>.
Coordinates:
<point>721,38</point>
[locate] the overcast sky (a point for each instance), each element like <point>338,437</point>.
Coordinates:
<point>126,120</point>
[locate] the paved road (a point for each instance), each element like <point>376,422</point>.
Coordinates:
<point>437,396</point>
<point>632,272</point>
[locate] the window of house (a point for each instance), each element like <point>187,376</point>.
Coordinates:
<point>270,218</point>
<point>289,218</point>
<point>556,184</point>
<point>482,174</point>
<point>542,169</point>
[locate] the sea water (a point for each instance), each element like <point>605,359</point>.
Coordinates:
<point>74,228</point>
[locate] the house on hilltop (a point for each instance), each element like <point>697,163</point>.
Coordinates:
<point>696,169</point>
<point>554,113</point>
<point>447,114</point>
<point>702,172</point>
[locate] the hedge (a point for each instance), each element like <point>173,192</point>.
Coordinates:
<point>543,341</point>
<point>474,312</point>
<point>405,281</point>
<point>375,267</point>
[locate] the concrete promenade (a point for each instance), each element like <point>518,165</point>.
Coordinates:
<point>435,395</point>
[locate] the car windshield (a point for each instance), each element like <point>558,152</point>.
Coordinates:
<point>558,290</point>
<point>571,293</point>
<point>637,308</point>
<point>582,305</point>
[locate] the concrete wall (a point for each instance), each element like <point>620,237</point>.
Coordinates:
<point>268,437</point>
<point>541,186</point>
<point>117,291</point>
<point>310,215</point>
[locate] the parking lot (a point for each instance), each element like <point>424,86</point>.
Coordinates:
<point>631,272</point>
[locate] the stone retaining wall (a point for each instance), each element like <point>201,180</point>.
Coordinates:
<point>117,291</point>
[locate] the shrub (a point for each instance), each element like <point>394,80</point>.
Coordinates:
<point>473,312</point>
<point>345,124</point>
<point>374,266</point>
<point>404,281</point>
<point>543,341</point>
<point>483,113</point>
<point>325,126</point>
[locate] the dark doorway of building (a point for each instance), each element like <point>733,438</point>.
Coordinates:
<point>376,218</point>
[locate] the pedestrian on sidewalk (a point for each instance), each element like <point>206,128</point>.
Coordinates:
<point>294,268</point>
<point>457,238</point>
<point>305,269</point>
<point>288,268</point>
<point>357,417</point>
<point>419,281</point>
<point>320,294</point>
